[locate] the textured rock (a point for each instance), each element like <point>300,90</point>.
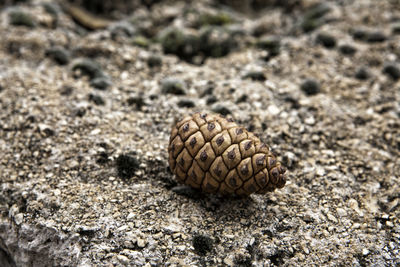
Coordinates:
<point>38,245</point>
<point>63,202</point>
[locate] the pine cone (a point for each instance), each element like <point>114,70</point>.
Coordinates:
<point>214,154</point>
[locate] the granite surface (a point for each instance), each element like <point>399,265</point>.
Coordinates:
<point>86,110</point>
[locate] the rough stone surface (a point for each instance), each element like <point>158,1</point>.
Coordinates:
<point>62,202</point>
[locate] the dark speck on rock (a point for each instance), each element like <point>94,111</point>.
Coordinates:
<point>362,73</point>
<point>51,8</point>
<point>396,28</point>
<point>216,41</point>
<point>255,76</point>
<point>392,70</point>
<point>173,86</point>
<point>211,99</point>
<point>243,259</point>
<point>310,87</point>
<point>154,61</point>
<point>368,36</point>
<point>359,34</point>
<point>102,158</point>
<point>140,41</point>
<point>66,90</point>
<point>241,99</point>
<point>218,108</point>
<point>126,165</point>
<point>121,29</point>
<point>48,132</point>
<point>208,90</point>
<point>185,190</point>
<point>290,160</point>
<point>87,67</point>
<point>138,101</point>
<point>202,244</point>
<point>376,37</point>
<point>317,11</point>
<point>270,44</point>
<point>359,120</point>
<point>326,40</point>
<point>1,88</point>
<point>313,18</point>
<point>177,41</point>
<point>347,49</point>
<point>21,18</point>
<point>293,101</point>
<point>101,83</point>
<point>186,103</point>
<point>80,112</point>
<point>59,55</point>
<point>98,100</point>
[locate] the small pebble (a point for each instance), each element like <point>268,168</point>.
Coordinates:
<point>310,120</point>
<point>123,259</point>
<point>392,70</point>
<point>310,87</point>
<point>141,243</point>
<point>273,110</point>
<point>341,212</point>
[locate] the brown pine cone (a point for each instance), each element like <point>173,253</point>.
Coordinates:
<point>214,154</point>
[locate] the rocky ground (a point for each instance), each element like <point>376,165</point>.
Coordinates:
<point>87,102</point>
